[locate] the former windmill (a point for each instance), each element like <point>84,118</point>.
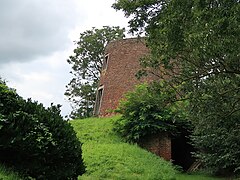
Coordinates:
<point>120,66</point>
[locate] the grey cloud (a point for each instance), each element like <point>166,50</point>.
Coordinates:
<point>31,28</point>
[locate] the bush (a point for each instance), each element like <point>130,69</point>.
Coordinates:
<point>151,109</point>
<point>37,141</point>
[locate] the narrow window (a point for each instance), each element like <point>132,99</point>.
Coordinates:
<point>105,62</point>
<point>98,101</point>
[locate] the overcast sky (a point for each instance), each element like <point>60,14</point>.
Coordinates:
<point>36,38</point>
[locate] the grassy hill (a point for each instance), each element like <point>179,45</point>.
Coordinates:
<point>108,157</point>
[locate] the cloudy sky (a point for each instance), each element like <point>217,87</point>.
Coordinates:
<point>36,38</point>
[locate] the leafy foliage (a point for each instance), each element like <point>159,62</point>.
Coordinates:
<point>218,129</point>
<point>86,64</point>
<point>151,109</point>
<point>201,37</point>
<point>196,43</point>
<point>36,140</point>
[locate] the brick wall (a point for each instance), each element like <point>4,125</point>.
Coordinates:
<point>159,144</point>
<point>119,76</point>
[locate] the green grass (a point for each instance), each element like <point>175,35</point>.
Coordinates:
<point>108,157</point>
<point>6,174</point>
<point>196,177</point>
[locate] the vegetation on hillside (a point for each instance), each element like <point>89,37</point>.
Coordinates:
<point>151,109</point>
<point>108,157</point>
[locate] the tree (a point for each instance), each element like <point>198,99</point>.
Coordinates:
<point>196,43</point>
<point>215,109</point>
<point>86,68</point>
<point>201,35</point>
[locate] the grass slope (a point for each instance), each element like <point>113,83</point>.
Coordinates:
<point>108,157</point>
<point>7,174</point>
<point>196,177</point>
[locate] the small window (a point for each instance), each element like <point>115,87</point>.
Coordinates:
<point>105,62</point>
<point>98,101</point>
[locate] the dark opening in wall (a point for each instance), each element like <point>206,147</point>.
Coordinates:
<point>182,151</point>
<point>98,101</point>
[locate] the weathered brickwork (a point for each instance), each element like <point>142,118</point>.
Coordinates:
<point>119,76</point>
<point>159,144</point>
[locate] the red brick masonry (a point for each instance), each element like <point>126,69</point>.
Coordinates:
<point>119,76</point>
<point>159,144</point>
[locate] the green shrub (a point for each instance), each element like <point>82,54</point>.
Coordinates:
<point>37,141</point>
<point>151,109</point>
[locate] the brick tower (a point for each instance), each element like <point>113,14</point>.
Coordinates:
<point>120,66</point>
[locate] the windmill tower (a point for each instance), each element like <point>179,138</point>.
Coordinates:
<point>121,63</point>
